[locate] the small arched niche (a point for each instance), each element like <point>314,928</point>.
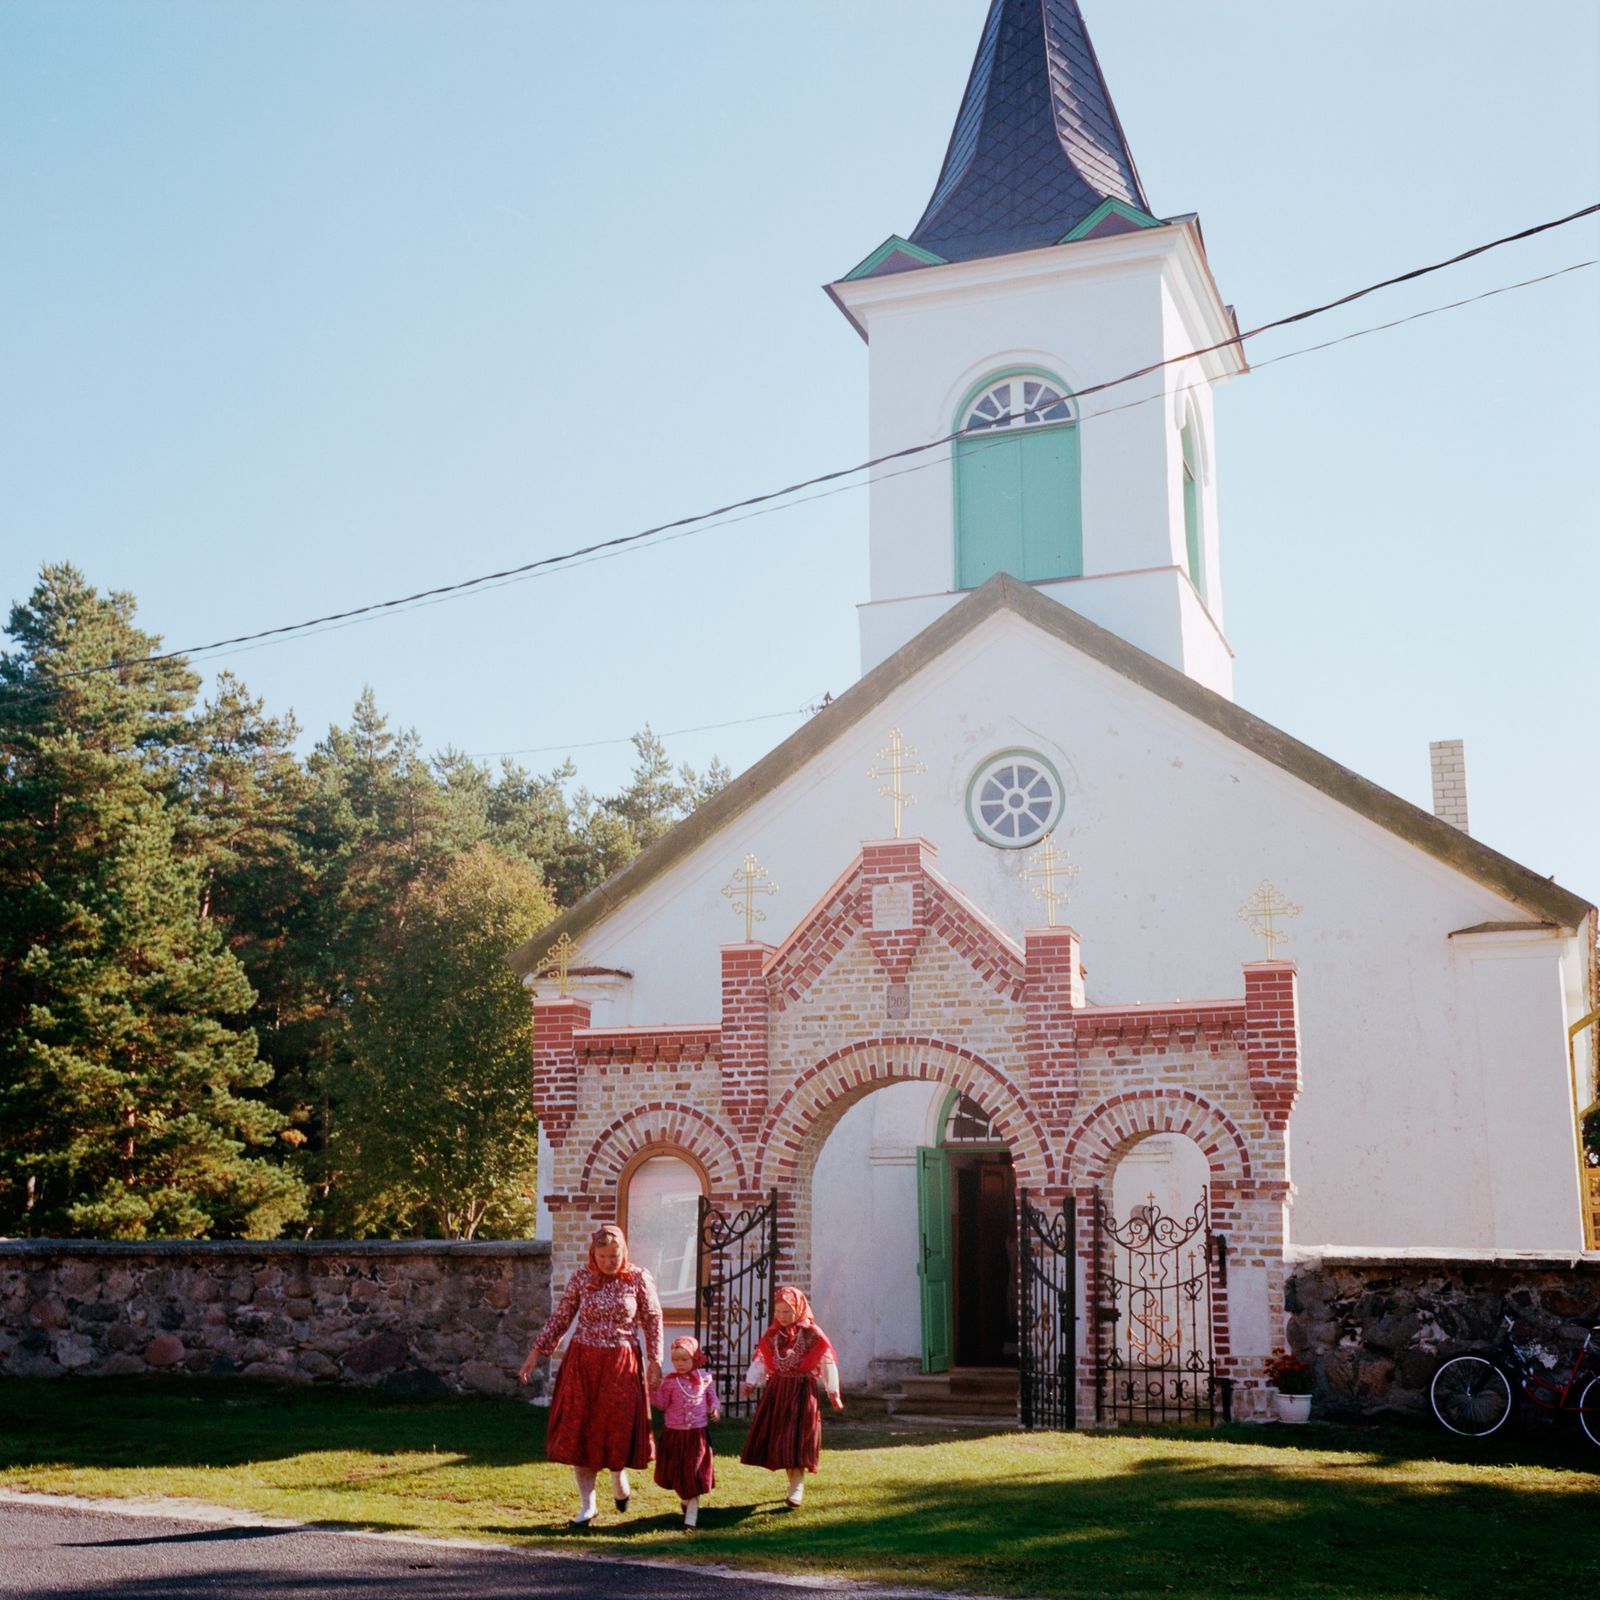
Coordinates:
<point>658,1205</point>
<point>1167,1171</point>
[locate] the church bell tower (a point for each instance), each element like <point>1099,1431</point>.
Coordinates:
<point>1037,273</point>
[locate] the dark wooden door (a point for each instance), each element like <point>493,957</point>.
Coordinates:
<point>984,1194</point>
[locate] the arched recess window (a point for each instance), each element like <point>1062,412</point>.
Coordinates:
<point>1191,504</point>
<point>962,1121</point>
<point>659,1209</point>
<point>1017,482</point>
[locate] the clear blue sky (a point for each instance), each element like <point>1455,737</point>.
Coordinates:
<point>306,305</point>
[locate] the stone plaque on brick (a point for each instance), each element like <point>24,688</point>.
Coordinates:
<point>891,907</point>
<point>898,1006</point>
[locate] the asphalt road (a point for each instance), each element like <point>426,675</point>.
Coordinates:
<point>50,1549</point>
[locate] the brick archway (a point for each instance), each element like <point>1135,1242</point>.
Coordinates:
<point>1114,1126</point>
<point>810,1109</point>
<point>668,1124</point>
<point>812,1105</point>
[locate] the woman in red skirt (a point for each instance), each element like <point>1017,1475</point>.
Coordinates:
<point>794,1356</point>
<point>687,1400</point>
<point>599,1413</point>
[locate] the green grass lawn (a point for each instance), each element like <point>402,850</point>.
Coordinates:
<point>1315,1511</point>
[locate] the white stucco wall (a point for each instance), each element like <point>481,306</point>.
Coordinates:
<point>1435,1110</point>
<point>865,1229</point>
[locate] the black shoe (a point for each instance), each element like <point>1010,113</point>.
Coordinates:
<point>793,1505</point>
<point>624,1502</point>
<point>580,1524</point>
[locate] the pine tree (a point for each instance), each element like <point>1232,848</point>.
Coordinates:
<point>247,824</point>
<point>125,1078</point>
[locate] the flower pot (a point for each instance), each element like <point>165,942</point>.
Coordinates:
<point>1293,1407</point>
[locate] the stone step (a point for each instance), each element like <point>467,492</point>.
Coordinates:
<point>970,1394</point>
<point>976,1382</point>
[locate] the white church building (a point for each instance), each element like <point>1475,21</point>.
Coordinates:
<point>1041,879</point>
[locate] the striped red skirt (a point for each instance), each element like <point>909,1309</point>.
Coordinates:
<point>685,1465</point>
<point>787,1429</point>
<point>599,1417</point>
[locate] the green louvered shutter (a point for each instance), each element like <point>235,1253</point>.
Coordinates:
<point>1017,506</point>
<point>1191,511</point>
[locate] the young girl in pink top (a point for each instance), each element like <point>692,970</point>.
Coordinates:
<point>686,1399</point>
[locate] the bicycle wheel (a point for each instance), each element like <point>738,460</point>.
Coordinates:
<point>1472,1396</point>
<point>1589,1410</point>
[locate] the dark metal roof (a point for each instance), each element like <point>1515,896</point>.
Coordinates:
<point>1037,145</point>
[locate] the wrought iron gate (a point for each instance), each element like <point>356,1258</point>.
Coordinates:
<point>736,1262</point>
<point>1153,1356</point>
<point>1048,1346</point>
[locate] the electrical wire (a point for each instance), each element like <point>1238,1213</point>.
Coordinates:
<point>1144,400</point>
<point>712,517</point>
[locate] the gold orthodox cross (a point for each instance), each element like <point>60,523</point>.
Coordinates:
<point>558,962</point>
<point>741,890</point>
<point>1259,910</point>
<point>1041,873</point>
<point>895,763</point>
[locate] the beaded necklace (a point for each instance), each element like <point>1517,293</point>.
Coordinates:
<point>798,1341</point>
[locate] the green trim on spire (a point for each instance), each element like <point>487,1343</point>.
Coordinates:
<point>1110,207</point>
<point>865,269</point>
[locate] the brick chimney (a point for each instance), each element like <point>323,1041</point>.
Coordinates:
<point>1448,761</point>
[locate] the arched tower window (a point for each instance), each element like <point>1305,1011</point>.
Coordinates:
<point>1191,504</point>
<point>1017,494</point>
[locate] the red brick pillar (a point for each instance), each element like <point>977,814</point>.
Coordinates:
<point>555,1063</point>
<point>1272,1038</point>
<point>1052,997</point>
<point>744,1054</point>
<point>894,900</point>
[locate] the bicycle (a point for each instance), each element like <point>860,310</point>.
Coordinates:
<point>1473,1394</point>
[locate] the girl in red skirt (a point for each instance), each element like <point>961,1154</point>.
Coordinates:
<point>599,1413</point>
<point>794,1356</point>
<point>686,1399</point>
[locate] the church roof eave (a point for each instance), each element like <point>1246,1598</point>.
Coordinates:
<point>1175,244</point>
<point>1540,896</point>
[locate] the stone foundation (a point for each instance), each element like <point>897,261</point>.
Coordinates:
<point>426,1317</point>
<point>1375,1326</point>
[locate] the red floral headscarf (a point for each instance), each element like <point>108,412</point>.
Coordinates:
<point>788,1295</point>
<point>609,1233</point>
<point>687,1341</point>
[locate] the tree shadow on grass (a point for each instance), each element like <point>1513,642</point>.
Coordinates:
<point>1170,1526</point>
<point>1303,1513</point>
<point>145,1422</point>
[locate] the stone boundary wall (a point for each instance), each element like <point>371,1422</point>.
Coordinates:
<point>414,1317</point>
<point>1374,1326</point>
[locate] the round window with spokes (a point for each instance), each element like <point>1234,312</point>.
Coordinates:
<point>1014,799</point>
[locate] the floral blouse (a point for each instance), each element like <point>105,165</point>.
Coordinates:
<point>610,1310</point>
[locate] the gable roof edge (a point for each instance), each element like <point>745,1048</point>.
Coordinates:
<point>1542,897</point>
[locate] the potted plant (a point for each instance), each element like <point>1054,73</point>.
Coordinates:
<point>1291,1377</point>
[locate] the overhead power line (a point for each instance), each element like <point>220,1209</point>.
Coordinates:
<point>595,550</point>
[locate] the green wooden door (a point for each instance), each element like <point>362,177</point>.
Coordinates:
<point>1017,506</point>
<point>934,1269</point>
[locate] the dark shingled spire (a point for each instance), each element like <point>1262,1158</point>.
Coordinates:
<point>1037,145</point>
